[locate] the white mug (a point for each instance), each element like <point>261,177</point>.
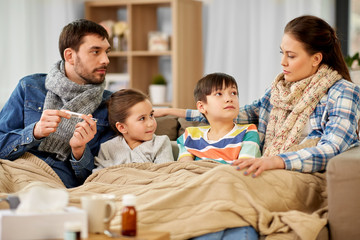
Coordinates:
<point>100,210</point>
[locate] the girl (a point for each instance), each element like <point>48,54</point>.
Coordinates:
<point>131,116</point>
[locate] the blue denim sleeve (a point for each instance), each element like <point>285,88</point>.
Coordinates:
<point>18,143</point>
<point>15,137</point>
<point>83,167</point>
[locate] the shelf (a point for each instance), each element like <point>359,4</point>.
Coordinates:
<point>151,53</point>
<point>118,54</point>
<point>115,3</point>
<point>182,65</point>
<point>139,53</point>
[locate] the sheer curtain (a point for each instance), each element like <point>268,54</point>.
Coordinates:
<point>29,37</point>
<point>242,38</point>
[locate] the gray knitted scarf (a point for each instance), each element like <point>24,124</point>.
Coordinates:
<point>65,94</point>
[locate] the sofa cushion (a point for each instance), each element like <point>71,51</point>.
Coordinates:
<point>167,125</point>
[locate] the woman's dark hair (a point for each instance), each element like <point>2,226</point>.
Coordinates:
<point>212,82</point>
<point>119,104</point>
<point>318,36</point>
<point>72,34</point>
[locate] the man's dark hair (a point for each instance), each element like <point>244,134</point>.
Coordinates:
<point>72,34</point>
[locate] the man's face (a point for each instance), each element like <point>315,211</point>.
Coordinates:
<point>90,62</point>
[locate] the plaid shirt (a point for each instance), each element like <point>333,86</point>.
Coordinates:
<point>334,120</point>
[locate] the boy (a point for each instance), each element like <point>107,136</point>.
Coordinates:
<point>216,97</point>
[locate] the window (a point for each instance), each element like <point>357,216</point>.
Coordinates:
<point>348,25</point>
<point>354,27</point>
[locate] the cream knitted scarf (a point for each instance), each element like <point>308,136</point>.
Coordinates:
<point>65,94</point>
<point>293,103</point>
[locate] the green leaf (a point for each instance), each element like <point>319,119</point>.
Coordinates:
<point>158,80</point>
<point>350,60</point>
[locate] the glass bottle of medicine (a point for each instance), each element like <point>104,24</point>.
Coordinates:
<point>128,215</point>
<point>72,231</point>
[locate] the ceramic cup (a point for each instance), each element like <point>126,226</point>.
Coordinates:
<point>100,210</point>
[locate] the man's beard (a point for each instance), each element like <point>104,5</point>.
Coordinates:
<point>89,78</point>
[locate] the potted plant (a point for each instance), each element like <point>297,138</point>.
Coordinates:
<point>157,89</point>
<point>353,63</point>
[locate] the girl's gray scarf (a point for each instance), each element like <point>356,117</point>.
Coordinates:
<point>65,94</point>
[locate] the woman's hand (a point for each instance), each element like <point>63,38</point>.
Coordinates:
<point>258,165</point>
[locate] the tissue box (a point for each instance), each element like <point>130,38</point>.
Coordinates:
<point>40,225</point>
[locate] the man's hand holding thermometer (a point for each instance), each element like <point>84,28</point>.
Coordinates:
<point>84,132</point>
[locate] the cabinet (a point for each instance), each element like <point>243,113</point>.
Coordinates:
<point>182,64</point>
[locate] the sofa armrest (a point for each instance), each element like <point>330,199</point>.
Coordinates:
<point>343,183</point>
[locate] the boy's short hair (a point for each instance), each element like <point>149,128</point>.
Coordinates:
<point>212,82</point>
<point>72,34</point>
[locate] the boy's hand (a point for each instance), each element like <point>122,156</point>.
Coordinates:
<point>84,132</point>
<point>48,123</point>
<point>258,165</point>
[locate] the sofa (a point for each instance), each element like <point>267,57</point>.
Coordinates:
<point>343,187</point>
<point>343,184</point>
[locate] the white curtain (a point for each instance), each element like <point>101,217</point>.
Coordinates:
<point>243,37</point>
<point>29,37</point>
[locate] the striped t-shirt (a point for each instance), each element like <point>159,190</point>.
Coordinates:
<point>241,142</point>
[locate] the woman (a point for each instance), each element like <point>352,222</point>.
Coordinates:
<point>313,98</point>
<point>311,112</point>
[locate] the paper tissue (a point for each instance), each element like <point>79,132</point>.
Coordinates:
<point>41,214</point>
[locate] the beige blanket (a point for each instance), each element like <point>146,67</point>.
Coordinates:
<point>190,199</point>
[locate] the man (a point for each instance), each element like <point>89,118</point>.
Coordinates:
<point>34,118</point>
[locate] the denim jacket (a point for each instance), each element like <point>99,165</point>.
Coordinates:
<point>23,110</point>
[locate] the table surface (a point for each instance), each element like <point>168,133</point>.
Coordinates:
<point>142,235</point>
